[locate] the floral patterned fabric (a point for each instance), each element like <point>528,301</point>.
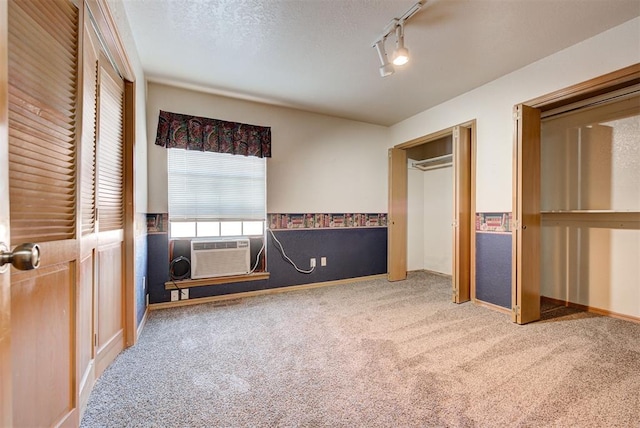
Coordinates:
<point>212,135</point>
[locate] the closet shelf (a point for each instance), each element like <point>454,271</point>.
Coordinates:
<point>434,163</point>
<point>590,212</point>
<point>593,218</point>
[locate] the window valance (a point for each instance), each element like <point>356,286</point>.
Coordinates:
<point>212,135</point>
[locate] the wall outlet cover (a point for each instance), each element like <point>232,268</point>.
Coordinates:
<point>175,296</point>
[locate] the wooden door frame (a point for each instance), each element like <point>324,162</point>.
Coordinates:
<point>471,125</point>
<point>600,85</point>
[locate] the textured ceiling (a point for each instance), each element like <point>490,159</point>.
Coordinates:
<point>316,55</point>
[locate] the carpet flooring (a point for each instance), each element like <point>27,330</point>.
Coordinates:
<point>371,354</point>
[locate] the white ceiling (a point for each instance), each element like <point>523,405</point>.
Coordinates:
<point>317,55</point>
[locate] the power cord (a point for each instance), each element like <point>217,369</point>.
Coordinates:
<point>255,266</point>
<point>281,248</point>
<point>174,277</point>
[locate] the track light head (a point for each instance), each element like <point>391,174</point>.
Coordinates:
<point>401,54</point>
<point>386,69</point>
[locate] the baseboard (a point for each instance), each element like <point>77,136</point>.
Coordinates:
<point>233,296</point>
<point>108,352</point>
<point>591,309</point>
<point>492,306</point>
<point>86,385</point>
<point>143,322</point>
<point>446,275</point>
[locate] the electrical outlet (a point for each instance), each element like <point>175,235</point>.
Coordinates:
<point>312,262</point>
<point>175,296</point>
<point>323,261</point>
<point>184,294</point>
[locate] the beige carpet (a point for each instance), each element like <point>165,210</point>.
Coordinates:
<point>371,354</point>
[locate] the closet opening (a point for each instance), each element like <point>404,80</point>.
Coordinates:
<point>431,200</point>
<point>577,199</point>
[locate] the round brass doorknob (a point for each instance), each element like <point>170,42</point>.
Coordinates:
<point>23,257</point>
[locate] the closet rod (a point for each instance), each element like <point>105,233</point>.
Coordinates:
<point>432,160</point>
<point>429,168</point>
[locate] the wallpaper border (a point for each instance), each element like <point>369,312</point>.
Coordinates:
<point>325,221</point>
<point>499,222</point>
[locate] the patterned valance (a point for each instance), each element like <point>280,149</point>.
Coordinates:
<point>212,135</point>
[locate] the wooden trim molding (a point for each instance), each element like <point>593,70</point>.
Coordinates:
<point>606,83</point>
<point>492,306</point>
<point>189,283</point>
<point>590,309</point>
<point>107,29</point>
<point>130,308</point>
<point>234,296</point>
<point>426,138</point>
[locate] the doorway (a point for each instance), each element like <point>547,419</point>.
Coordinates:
<point>450,151</point>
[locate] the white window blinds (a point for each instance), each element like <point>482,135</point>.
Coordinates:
<point>215,186</point>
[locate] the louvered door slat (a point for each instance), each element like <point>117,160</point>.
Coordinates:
<point>43,204</point>
<point>47,127</point>
<point>31,40</point>
<point>40,76</point>
<point>59,33</point>
<point>29,106</point>
<point>42,109</point>
<point>41,174</point>
<point>55,67</point>
<point>23,131</point>
<point>28,151</point>
<point>110,159</point>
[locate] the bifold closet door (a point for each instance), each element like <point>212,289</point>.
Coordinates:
<point>109,289</point>
<point>42,94</point>
<point>525,283</point>
<point>397,221</point>
<point>461,224</point>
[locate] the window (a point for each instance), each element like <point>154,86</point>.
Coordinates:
<point>215,194</point>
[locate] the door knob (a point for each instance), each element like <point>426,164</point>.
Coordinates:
<point>23,256</point>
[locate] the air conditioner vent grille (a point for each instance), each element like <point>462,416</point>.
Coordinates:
<point>219,258</point>
<point>219,245</point>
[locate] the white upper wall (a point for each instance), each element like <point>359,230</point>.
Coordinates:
<point>319,163</point>
<point>492,105</point>
<point>140,153</point>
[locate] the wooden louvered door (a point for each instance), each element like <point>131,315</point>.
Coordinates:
<point>42,149</point>
<point>109,254</point>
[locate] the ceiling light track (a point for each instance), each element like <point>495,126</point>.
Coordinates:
<point>401,53</point>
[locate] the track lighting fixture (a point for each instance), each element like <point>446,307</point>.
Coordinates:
<point>401,53</point>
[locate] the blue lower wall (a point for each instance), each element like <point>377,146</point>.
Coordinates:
<point>141,273</point>
<point>350,253</point>
<point>493,268</point>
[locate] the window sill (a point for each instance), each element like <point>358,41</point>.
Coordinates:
<point>188,283</point>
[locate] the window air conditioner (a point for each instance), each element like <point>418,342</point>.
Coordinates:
<point>219,257</point>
